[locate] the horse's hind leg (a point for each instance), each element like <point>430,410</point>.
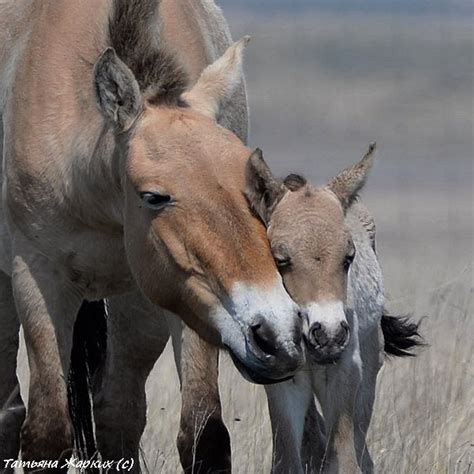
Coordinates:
<point>203,439</point>
<point>136,338</point>
<point>12,410</point>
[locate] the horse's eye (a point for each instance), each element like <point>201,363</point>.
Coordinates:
<point>155,201</point>
<point>282,261</point>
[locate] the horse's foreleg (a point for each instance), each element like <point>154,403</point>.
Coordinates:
<point>136,338</point>
<point>288,404</point>
<point>12,409</point>
<point>47,307</point>
<point>203,439</point>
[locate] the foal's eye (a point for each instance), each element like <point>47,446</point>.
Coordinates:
<point>155,201</point>
<point>282,261</point>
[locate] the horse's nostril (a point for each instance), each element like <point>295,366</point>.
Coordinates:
<point>345,325</point>
<point>297,338</point>
<point>302,314</point>
<point>263,338</point>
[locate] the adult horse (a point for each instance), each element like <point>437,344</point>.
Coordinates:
<point>117,179</point>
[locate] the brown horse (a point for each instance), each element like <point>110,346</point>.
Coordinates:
<point>118,180</point>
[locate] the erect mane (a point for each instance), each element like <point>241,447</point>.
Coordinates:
<point>294,182</point>
<point>134,36</point>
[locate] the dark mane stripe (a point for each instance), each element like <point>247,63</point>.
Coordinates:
<point>294,182</point>
<point>133,33</point>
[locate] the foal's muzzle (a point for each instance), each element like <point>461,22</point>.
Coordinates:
<point>326,346</point>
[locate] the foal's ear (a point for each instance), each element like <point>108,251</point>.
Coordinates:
<point>347,184</point>
<point>218,81</point>
<point>263,190</point>
<point>117,91</point>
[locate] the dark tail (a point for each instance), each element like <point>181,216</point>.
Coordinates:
<point>400,335</point>
<point>88,350</point>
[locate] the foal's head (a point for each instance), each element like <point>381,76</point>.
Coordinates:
<point>192,242</point>
<point>312,245</point>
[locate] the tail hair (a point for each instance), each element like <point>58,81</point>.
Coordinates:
<point>88,351</point>
<point>401,335</point>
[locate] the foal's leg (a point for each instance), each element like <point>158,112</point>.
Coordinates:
<point>12,410</point>
<point>47,306</point>
<point>288,403</point>
<point>203,439</point>
<point>313,447</point>
<point>137,336</point>
<point>337,393</point>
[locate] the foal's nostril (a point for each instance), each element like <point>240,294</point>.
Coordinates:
<point>318,335</point>
<point>263,338</point>
<point>343,334</point>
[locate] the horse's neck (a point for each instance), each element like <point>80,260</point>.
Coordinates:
<point>95,180</point>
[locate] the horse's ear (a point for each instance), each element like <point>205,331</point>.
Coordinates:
<point>347,184</point>
<point>263,190</point>
<point>117,92</point>
<point>218,81</point>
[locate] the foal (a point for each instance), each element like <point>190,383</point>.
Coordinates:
<point>325,254</point>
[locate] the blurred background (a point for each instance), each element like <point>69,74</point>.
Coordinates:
<point>325,78</point>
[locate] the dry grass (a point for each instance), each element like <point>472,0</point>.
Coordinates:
<point>424,411</point>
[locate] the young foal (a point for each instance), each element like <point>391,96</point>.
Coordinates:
<point>329,267</point>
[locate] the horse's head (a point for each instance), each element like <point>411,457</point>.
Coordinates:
<point>192,243</point>
<point>312,245</point>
